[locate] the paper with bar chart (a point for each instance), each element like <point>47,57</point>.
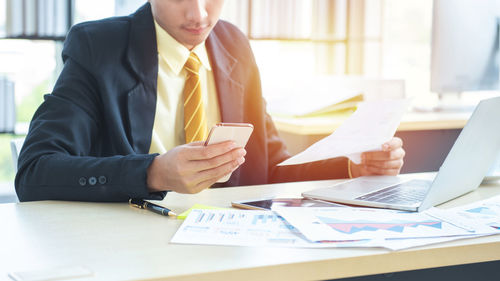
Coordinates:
<point>247,228</point>
<point>341,224</point>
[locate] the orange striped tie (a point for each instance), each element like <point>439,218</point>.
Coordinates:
<point>195,124</point>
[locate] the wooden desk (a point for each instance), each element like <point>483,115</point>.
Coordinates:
<point>118,242</point>
<point>412,121</point>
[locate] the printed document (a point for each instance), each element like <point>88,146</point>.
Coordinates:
<point>246,228</point>
<point>485,212</point>
<point>267,229</point>
<point>344,224</point>
<point>370,126</point>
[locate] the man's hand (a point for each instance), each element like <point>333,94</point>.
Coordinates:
<point>190,168</point>
<point>386,162</point>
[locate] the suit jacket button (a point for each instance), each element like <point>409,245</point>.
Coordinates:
<point>82,181</point>
<point>102,179</point>
<point>92,180</point>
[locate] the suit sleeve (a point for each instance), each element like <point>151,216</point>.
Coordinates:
<point>58,160</point>
<point>335,168</point>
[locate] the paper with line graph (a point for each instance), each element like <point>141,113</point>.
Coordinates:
<point>341,224</point>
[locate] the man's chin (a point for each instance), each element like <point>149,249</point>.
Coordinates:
<point>193,42</point>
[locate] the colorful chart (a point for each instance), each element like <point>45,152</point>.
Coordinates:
<point>350,227</point>
<point>482,210</point>
<point>264,218</point>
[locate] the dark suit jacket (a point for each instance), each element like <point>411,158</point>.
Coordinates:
<point>89,140</point>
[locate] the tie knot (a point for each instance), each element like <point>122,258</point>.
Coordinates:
<point>193,63</point>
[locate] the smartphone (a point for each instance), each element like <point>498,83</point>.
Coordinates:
<point>269,204</point>
<point>237,132</point>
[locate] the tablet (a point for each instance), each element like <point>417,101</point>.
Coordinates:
<point>270,203</point>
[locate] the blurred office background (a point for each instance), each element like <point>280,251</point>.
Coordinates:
<point>345,40</point>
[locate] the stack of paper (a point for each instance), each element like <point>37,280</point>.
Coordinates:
<point>383,226</point>
<point>315,105</point>
<point>339,227</point>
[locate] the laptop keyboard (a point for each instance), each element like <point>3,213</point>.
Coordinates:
<point>406,193</point>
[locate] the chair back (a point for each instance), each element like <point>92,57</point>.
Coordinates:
<point>15,146</point>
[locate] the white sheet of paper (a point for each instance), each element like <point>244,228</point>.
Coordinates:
<point>58,273</point>
<point>400,244</point>
<point>370,126</point>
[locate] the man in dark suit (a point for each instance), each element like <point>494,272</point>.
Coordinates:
<point>104,133</point>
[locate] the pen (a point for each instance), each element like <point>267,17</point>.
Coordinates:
<point>141,204</point>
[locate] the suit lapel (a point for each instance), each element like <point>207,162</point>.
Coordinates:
<point>143,60</point>
<point>230,92</point>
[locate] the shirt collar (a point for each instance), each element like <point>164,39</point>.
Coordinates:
<point>175,54</point>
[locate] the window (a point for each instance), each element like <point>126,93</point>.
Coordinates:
<point>380,39</point>
<point>331,37</point>
<point>406,49</point>
<point>34,66</point>
<point>18,58</point>
<point>304,38</point>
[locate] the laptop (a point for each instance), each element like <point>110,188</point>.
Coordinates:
<point>465,166</point>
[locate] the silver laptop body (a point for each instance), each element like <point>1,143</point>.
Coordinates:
<point>465,166</point>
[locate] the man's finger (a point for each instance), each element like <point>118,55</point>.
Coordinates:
<point>206,164</point>
<point>197,152</point>
<point>392,164</point>
<point>392,144</point>
<point>383,155</point>
<point>379,171</point>
<point>218,172</point>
